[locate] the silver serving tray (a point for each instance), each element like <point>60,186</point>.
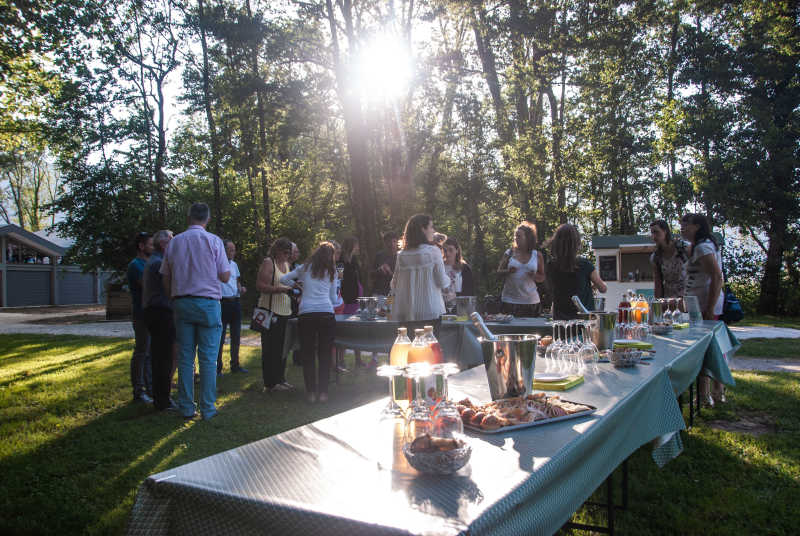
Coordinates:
<point>535,423</point>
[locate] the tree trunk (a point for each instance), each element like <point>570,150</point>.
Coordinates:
<point>161,153</point>
<point>488,64</point>
<point>212,128</point>
<point>262,135</point>
<point>362,207</point>
<point>771,281</point>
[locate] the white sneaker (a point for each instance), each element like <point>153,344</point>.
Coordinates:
<point>287,385</point>
<point>281,387</point>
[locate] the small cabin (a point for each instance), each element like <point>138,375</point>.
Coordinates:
<point>31,272</point>
<point>623,262</point>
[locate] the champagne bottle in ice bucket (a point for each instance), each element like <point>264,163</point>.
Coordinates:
<point>480,325</point>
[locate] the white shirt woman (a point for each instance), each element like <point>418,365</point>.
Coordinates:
<point>419,274</point>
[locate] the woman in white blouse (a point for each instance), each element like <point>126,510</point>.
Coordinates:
<point>316,323</point>
<point>704,280</point>
<point>419,277</point>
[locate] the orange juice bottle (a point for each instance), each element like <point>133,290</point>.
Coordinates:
<point>398,357</point>
<point>419,352</point>
<point>436,348</point>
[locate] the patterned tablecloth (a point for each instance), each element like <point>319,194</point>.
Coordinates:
<point>346,474</point>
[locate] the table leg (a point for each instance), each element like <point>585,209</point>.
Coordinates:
<point>691,405</point>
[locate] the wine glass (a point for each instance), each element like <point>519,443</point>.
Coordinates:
<point>588,353</point>
<point>419,421</point>
<point>447,420</point>
<point>552,350</point>
<point>392,410</point>
<point>567,352</point>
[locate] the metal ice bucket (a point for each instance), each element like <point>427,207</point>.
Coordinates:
<point>603,325</point>
<point>509,362</point>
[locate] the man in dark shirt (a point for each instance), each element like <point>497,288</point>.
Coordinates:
<point>384,265</point>
<point>157,315</point>
<point>141,372</point>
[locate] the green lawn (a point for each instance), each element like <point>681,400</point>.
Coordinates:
<point>770,321</point>
<point>770,348</point>
<point>74,449</point>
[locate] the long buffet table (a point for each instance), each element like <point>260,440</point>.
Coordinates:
<point>345,474</point>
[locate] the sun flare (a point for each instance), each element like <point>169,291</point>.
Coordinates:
<point>384,68</point>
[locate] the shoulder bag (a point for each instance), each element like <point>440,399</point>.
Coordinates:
<point>264,318</point>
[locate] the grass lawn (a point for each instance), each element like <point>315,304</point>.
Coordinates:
<point>770,348</point>
<point>770,321</point>
<point>74,449</point>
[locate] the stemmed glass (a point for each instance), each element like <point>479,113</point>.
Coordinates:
<point>624,328</point>
<point>567,354</point>
<point>447,420</point>
<point>419,421</point>
<point>392,409</point>
<point>551,353</point>
<point>588,354</point>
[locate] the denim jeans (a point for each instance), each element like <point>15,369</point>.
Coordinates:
<point>198,325</point>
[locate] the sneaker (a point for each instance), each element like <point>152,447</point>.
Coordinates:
<point>323,397</point>
<point>190,417</point>
<point>287,385</point>
<point>241,370</point>
<point>281,387</point>
<point>143,398</point>
<point>341,370</point>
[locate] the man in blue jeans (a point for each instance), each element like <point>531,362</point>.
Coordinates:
<point>193,267</point>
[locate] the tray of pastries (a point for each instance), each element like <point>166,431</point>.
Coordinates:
<point>519,412</point>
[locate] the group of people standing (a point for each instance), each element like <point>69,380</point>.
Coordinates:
<point>182,288</point>
<point>691,265</point>
<point>186,292</point>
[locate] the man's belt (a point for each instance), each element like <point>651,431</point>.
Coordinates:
<point>190,296</point>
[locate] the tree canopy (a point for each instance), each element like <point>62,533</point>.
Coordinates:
<point>321,119</point>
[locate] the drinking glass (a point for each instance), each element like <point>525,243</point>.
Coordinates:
<point>392,410</point>
<point>567,354</point>
<point>588,353</point>
<point>419,421</point>
<point>447,420</point>
<point>552,350</point>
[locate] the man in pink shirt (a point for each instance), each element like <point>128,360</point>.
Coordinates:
<point>194,264</point>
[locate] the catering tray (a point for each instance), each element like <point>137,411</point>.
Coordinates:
<point>512,427</point>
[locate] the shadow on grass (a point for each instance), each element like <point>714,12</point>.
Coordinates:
<point>84,480</point>
<point>62,365</point>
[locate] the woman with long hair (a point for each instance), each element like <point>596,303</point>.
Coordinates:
<point>570,275</point>
<point>523,267</point>
<point>275,297</point>
<point>704,280</point>
<point>316,321</point>
<point>457,270</point>
<point>419,277</point>
<point>669,262</point>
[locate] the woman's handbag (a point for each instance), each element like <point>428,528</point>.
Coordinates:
<point>263,318</point>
